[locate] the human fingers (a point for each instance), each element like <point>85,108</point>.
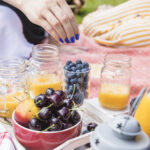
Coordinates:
<point>63,4</point>
<point>65,22</point>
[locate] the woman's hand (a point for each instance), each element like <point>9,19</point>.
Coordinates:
<point>55,16</point>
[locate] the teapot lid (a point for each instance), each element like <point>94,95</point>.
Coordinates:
<point>125,126</point>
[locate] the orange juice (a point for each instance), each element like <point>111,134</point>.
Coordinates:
<point>113,96</point>
<point>12,100</point>
<point>40,83</point>
<point>143,114</point>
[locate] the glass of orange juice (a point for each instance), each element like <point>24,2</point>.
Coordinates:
<point>13,84</point>
<point>115,82</point>
<point>143,113</point>
<point>44,69</point>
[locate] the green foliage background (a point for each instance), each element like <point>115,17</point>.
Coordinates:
<point>91,5</point>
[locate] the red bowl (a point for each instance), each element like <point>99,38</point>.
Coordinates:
<point>36,140</point>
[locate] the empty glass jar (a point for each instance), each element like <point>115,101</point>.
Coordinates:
<point>44,69</point>
<point>13,85</point>
<point>115,82</point>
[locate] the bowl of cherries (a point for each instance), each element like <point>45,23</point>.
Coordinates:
<point>47,121</point>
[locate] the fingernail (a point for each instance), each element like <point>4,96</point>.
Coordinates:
<point>61,40</point>
<point>72,39</point>
<point>77,36</point>
<point>67,41</point>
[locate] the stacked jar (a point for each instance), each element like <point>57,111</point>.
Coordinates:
<point>115,82</point>
<point>13,84</point>
<point>44,69</point>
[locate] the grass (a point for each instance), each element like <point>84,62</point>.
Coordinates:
<point>92,5</point>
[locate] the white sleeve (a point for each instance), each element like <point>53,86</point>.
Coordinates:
<point>12,40</point>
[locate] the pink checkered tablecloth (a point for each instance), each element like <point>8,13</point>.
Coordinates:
<point>95,54</point>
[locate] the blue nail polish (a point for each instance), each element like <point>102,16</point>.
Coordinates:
<point>72,39</point>
<point>61,40</point>
<point>67,41</point>
<point>77,36</point>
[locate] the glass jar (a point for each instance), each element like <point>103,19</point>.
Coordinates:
<point>77,85</point>
<point>13,84</point>
<point>143,111</point>
<point>44,69</point>
<point>115,82</point>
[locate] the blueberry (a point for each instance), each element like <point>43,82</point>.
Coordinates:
<point>87,69</point>
<point>77,86</point>
<point>78,75</point>
<point>72,74</point>
<point>67,68</point>
<point>86,77</point>
<point>79,66</point>
<point>68,62</point>
<point>85,84</point>
<point>85,65</point>
<point>84,70</point>
<point>79,80</point>
<point>78,71</point>
<point>73,81</point>
<point>72,64</point>
<point>67,80</point>
<point>67,86</point>
<point>69,96</point>
<point>70,89</point>
<point>68,92</point>
<point>78,98</point>
<point>78,62</point>
<point>73,68</point>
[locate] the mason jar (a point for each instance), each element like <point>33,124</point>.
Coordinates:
<point>115,82</point>
<point>13,84</point>
<point>44,69</point>
<point>77,83</point>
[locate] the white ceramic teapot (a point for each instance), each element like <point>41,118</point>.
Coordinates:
<point>121,133</point>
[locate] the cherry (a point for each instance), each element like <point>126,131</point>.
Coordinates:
<point>49,92</point>
<point>55,124</point>
<point>60,93</point>
<point>44,113</point>
<point>91,126</point>
<point>64,125</point>
<point>64,113</point>
<point>56,100</point>
<point>35,124</point>
<point>75,117</point>
<point>40,100</point>
<point>68,103</point>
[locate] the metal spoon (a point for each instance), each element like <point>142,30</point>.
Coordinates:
<point>136,102</point>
